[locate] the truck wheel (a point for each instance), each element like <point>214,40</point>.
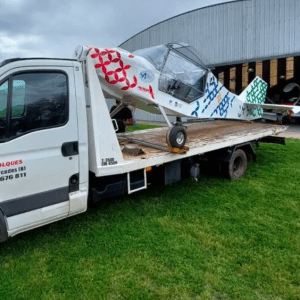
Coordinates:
<point>176,137</point>
<point>3,228</point>
<point>237,165</point>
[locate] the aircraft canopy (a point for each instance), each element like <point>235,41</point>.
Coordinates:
<point>183,75</point>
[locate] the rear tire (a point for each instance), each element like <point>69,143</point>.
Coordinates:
<point>176,137</point>
<point>236,167</point>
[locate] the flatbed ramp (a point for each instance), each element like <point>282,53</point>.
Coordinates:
<point>201,137</point>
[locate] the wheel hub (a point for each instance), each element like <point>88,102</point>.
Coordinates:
<point>180,138</point>
<point>237,164</point>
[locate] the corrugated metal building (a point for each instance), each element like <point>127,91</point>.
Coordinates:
<point>240,39</point>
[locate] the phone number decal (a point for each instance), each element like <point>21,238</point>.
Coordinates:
<point>11,174</point>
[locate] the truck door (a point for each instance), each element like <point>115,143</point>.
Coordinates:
<point>38,145</point>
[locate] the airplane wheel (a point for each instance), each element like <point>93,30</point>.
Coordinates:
<point>176,137</point>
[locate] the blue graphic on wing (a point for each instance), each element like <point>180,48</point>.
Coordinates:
<point>195,112</point>
<point>212,90</point>
<point>222,108</point>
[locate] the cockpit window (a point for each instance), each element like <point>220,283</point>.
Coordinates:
<point>182,69</point>
<point>183,74</point>
<point>188,52</point>
<point>181,78</point>
<point>155,55</point>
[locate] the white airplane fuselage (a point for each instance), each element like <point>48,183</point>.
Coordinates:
<point>133,79</point>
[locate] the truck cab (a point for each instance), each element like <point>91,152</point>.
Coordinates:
<point>43,143</point>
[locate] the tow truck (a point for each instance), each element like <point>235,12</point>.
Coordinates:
<point>59,151</point>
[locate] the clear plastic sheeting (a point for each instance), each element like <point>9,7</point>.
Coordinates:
<point>155,55</point>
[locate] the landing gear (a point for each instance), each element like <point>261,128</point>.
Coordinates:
<point>176,136</point>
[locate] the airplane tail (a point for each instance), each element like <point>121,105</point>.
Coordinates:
<point>254,97</point>
<point>255,93</point>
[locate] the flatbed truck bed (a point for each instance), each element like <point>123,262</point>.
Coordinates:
<point>203,137</point>
<point>213,143</point>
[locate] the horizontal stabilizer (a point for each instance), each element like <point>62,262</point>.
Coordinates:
<point>295,109</point>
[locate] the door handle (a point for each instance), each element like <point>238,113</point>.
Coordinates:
<point>69,148</point>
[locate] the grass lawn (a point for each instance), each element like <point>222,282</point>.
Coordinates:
<point>141,127</point>
<point>211,239</point>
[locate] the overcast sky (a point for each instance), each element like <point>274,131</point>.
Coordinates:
<point>53,28</point>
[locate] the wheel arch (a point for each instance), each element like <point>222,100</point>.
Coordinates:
<point>246,147</point>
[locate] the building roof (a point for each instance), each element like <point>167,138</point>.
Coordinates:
<point>231,32</point>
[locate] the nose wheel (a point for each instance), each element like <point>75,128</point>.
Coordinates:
<point>176,137</point>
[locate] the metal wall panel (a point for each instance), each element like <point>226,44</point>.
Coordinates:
<point>231,32</point>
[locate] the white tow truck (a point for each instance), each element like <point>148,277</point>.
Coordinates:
<point>59,151</point>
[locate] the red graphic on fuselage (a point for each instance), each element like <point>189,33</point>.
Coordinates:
<point>118,73</point>
<point>149,90</point>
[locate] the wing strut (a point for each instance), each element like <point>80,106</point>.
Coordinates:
<point>165,115</point>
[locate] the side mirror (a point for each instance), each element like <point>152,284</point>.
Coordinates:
<point>288,88</point>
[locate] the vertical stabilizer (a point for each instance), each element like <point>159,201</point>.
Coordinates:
<point>255,92</point>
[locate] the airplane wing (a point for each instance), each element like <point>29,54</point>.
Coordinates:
<point>295,109</point>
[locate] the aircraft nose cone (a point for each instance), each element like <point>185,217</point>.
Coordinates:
<point>112,66</point>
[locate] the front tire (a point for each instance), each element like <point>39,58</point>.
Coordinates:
<point>176,137</point>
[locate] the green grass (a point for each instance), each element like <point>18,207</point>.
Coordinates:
<point>141,127</point>
<point>15,112</point>
<point>211,239</point>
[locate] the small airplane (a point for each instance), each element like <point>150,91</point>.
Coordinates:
<point>170,79</point>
